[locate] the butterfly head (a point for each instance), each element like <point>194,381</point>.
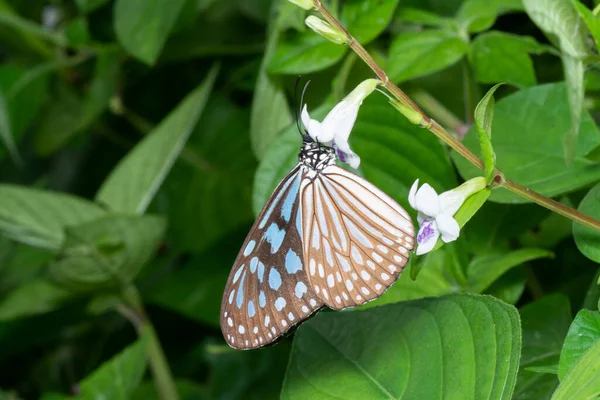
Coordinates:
<point>314,155</point>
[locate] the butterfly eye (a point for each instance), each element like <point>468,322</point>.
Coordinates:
<point>326,237</point>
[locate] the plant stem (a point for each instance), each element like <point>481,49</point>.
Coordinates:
<point>445,136</point>
<point>133,310</point>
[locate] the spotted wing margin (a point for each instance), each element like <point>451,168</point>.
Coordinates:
<point>267,291</point>
<point>356,239</point>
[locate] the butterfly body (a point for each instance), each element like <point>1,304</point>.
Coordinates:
<point>325,237</point>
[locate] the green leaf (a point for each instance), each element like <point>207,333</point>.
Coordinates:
<point>560,20</point>
<point>106,253</point>
<point>86,6</point>
<point>270,111</point>
<point>209,190</point>
<point>422,17</point>
<point>472,351</point>
<point>143,27</point>
<point>77,32</point>
<point>187,390</point>
<point>303,53</point>
<point>574,76</point>
<point>476,15</point>
<point>35,297</point>
<point>117,378</point>
<point>583,333</point>
<point>592,23</point>
<point>415,54</point>
<point>38,217</point>
<point>588,239</point>
<point>132,184</point>
<point>196,288</point>
<point>545,325</point>
<point>393,151</point>
<point>528,129</point>
<point>6,134</point>
<point>367,19</point>
<point>69,115</point>
<point>502,57</point>
<point>23,92</point>
<point>583,379</point>
<point>485,270</point>
<point>484,115</point>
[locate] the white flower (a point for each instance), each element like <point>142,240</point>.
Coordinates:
<point>436,213</point>
<point>336,127</point>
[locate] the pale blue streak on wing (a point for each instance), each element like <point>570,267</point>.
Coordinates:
<point>292,196</point>
<point>275,236</point>
<point>292,262</point>
<point>251,309</point>
<point>253,264</point>
<point>261,271</point>
<point>262,300</point>
<point>284,186</point>
<point>274,279</point>
<point>300,289</point>
<point>240,294</point>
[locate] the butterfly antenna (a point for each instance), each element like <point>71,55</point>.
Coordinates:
<point>301,103</point>
<point>296,112</point>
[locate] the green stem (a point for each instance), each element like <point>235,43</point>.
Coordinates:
<point>445,136</point>
<point>134,311</point>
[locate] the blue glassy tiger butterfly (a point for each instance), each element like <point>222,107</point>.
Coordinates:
<point>326,237</point>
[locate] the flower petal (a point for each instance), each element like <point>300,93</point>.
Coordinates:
<point>346,155</point>
<point>411,195</point>
<point>305,117</point>
<point>427,236</point>
<point>427,201</point>
<point>448,227</point>
<point>421,217</point>
<point>451,201</point>
<point>313,127</point>
<point>339,122</point>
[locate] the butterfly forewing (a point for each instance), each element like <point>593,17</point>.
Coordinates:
<point>356,239</point>
<point>268,291</point>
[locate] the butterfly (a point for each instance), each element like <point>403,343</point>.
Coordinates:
<point>326,237</point>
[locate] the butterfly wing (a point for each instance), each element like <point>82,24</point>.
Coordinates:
<point>268,291</point>
<point>356,238</point>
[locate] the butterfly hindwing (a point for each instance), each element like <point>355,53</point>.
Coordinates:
<point>267,291</point>
<point>356,239</point>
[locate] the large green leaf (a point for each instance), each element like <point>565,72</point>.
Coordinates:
<point>69,115</point>
<point>35,297</point>
<point>560,20</point>
<point>483,271</point>
<point>270,111</point>
<point>545,325</point>
<point>208,193</point>
<point>117,378</point>
<point>106,253</point>
<point>132,185</point>
<point>528,135</point>
<point>588,239</point>
<point>366,19</point>
<point>143,27</point>
<point>196,288</point>
<point>457,346</point>
<point>583,333</point>
<point>415,54</point>
<point>583,380</point>
<point>38,217</point>
<point>89,5</point>
<point>394,153</point>
<point>503,57</point>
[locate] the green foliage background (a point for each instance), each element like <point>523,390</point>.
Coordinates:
<point>140,138</point>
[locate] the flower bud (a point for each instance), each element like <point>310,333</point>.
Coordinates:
<point>306,4</point>
<point>325,29</point>
<point>412,115</point>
